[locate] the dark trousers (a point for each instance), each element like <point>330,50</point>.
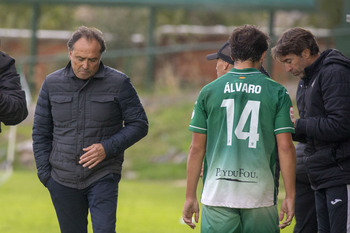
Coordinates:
<point>72,205</point>
<point>332,209</point>
<point>305,209</point>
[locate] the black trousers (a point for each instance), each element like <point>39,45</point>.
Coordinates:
<point>332,208</point>
<point>72,205</point>
<point>305,209</point>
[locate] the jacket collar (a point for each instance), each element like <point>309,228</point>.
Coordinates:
<point>70,74</point>
<point>315,66</point>
<point>5,60</point>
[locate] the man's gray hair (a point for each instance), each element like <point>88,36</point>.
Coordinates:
<point>89,34</point>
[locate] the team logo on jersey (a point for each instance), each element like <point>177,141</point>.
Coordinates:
<point>239,175</point>
<point>242,77</point>
<point>291,114</point>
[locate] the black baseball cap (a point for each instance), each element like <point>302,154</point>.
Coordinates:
<point>224,53</point>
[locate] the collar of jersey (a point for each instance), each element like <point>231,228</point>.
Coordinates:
<point>246,71</point>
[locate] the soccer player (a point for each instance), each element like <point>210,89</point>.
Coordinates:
<point>236,122</point>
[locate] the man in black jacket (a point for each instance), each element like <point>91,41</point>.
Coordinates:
<point>323,100</point>
<point>86,116</point>
<point>13,106</point>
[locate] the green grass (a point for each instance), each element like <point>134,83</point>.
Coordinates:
<point>143,207</point>
<point>25,205</point>
<point>167,138</point>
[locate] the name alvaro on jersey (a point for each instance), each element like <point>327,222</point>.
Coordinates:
<point>242,87</point>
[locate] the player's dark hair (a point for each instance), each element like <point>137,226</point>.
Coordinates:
<point>248,43</point>
<point>89,34</point>
<point>295,41</point>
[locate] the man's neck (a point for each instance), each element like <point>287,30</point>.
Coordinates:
<point>240,65</point>
<point>314,58</point>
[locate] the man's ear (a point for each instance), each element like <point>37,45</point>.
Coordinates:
<point>226,65</point>
<point>305,53</point>
<point>263,56</point>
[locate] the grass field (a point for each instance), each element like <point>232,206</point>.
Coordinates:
<point>144,206</point>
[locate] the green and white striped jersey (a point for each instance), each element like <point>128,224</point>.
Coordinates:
<point>241,112</point>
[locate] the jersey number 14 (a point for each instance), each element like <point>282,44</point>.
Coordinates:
<point>251,108</point>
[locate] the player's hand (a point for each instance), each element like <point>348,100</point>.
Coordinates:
<point>191,207</point>
<point>93,155</point>
<point>287,209</point>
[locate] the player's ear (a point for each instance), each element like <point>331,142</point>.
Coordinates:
<point>262,57</point>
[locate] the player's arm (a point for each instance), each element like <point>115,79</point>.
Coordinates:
<point>287,158</point>
<point>194,166</point>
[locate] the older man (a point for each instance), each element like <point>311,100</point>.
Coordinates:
<point>87,114</point>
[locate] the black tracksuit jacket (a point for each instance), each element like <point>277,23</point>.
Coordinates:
<point>13,106</point>
<point>323,99</point>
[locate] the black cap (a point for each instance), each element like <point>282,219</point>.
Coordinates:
<point>224,53</point>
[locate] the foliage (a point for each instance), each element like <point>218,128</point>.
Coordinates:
<point>125,21</point>
<point>57,17</point>
<point>15,16</point>
<point>328,15</point>
<point>54,17</point>
<point>324,16</point>
<point>209,17</point>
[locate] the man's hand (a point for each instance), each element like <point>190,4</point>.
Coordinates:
<point>287,209</point>
<point>93,155</point>
<point>190,208</point>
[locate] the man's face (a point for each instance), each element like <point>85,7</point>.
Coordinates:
<point>221,66</point>
<point>85,57</point>
<point>295,64</point>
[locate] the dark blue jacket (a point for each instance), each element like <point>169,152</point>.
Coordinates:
<point>13,106</point>
<point>323,99</point>
<point>72,114</point>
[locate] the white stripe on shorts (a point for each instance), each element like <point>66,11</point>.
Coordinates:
<point>348,220</point>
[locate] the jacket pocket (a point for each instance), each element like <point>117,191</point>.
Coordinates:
<point>61,108</point>
<point>342,151</point>
<point>104,108</point>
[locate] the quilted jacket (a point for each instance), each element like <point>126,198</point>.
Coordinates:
<point>323,100</point>
<point>13,106</point>
<point>72,114</point>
